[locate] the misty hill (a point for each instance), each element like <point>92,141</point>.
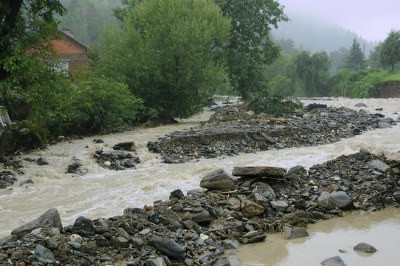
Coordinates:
<point>315,35</point>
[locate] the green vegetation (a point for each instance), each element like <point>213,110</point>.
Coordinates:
<point>356,58</point>
<point>275,105</point>
<point>170,53</point>
<point>251,48</point>
<point>390,50</point>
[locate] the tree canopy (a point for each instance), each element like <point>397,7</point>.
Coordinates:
<point>390,50</point>
<point>23,24</point>
<point>356,58</point>
<point>313,72</point>
<point>251,46</point>
<point>170,53</point>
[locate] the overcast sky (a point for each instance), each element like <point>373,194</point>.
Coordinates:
<point>371,19</point>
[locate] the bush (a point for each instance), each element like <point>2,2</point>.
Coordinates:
<point>357,84</point>
<point>274,105</point>
<point>98,105</point>
<point>54,105</point>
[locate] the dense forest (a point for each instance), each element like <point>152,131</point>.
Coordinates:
<point>155,60</point>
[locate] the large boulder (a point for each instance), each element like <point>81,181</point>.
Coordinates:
<point>218,180</point>
<point>50,218</point>
<point>259,171</point>
<point>83,227</point>
<point>326,201</point>
<point>365,247</point>
<point>342,200</point>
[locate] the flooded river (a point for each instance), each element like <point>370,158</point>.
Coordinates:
<point>380,229</point>
<point>104,193</point>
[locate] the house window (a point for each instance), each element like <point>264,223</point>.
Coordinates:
<point>61,67</point>
<point>64,65</point>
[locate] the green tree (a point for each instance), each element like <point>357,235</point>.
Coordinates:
<point>390,50</point>
<point>313,72</point>
<point>356,58</point>
<point>170,53</point>
<point>251,46</point>
<point>23,24</point>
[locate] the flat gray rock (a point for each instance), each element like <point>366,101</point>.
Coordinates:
<point>378,165</point>
<point>168,247</point>
<point>259,171</point>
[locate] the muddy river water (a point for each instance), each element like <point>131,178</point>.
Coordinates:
<point>104,193</point>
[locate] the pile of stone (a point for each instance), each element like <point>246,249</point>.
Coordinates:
<point>233,130</point>
<point>229,210</point>
<point>7,178</point>
<point>76,167</point>
<point>120,158</point>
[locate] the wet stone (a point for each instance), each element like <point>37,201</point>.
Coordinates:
<point>291,232</point>
<point>259,171</point>
<point>251,209</point>
<point>279,204</point>
<point>83,227</point>
<point>120,242</point>
<point>168,247</point>
<point>177,194</point>
<point>396,196</point>
<point>218,180</point>
<point>50,218</point>
<point>201,217</point>
<point>378,165</point>
<point>326,201</point>
<point>42,161</point>
<point>342,200</point>
<point>44,254</point>
<point>334,261</point>
<point>365,247</point>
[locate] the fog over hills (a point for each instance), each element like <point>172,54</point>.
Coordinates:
<point>316,35</point>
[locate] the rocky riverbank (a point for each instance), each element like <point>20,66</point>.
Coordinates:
<point>197,228</point>
<point>233,129</point>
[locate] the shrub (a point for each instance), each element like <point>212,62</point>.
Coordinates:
<point>274,105</point>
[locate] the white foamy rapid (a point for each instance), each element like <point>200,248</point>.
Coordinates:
<point>104,193</point>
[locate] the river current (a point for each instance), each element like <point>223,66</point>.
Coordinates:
<point>105,193</point>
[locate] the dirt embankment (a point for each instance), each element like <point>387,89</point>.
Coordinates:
<point>389,89</point>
